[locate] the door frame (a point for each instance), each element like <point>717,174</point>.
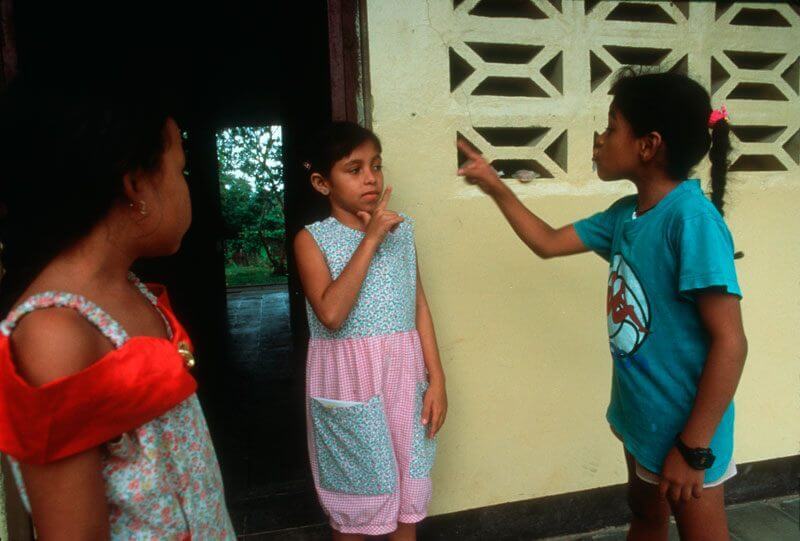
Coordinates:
<point>349,60</point>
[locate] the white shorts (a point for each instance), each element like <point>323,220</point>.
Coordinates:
<point>653,478</point>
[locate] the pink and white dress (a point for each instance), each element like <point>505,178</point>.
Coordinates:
<point>370,455</point>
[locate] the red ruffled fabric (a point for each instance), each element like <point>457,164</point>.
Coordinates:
<point>125,389</point>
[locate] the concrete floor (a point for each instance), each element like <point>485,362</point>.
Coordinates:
<point>769,520</point>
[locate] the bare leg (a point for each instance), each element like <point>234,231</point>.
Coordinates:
<point>650,520</point>
<point>339,536</point>
<point>704,518</point>
<point>404,532</point>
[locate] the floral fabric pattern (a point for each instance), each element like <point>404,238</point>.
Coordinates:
<point>363,391</point>
<point>387,302</point>
<point>354,448</point>
<point>163,480</point>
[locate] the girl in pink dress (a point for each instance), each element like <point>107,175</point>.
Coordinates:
<point>375,385</point>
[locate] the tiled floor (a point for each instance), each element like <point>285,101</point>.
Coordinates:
<point>770,520</point>
<point>263,445</point>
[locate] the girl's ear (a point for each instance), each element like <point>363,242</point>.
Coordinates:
<point>649,146</point>
<point>321,184</point>
<point>139,192</point>
<point>132,186</point>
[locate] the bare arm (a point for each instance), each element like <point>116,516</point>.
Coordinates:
<point>434,407</point>
<point>68,497</point>
<point>538,235</point>
<point>722,318</point>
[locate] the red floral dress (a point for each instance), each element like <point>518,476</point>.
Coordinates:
<point>138,403</point>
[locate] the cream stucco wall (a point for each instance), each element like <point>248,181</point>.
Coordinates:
<point>523,340</point>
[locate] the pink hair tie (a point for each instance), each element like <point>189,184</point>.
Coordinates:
<point>717,115</point>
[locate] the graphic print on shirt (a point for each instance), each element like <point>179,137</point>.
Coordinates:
<point>627,309</point>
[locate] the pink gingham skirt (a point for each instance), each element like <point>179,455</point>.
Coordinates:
<point>370,454</point>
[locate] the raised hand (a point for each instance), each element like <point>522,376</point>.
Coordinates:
<point>477,170</point>
<point>381,221</point>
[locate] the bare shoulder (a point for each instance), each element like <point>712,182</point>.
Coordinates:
<point>303,237</point>
<point>305,244</point>
<point>54,343</point>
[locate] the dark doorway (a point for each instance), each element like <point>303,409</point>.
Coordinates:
<point>232,65</point>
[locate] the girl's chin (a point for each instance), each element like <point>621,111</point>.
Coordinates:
<point>608,177</point>
<point>367,206</point>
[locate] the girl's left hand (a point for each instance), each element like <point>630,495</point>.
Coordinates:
<point>434,408</point>
<point>679,481</point>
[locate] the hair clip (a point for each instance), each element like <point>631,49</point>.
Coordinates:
<point>307,166</point>
<point>717,115</point>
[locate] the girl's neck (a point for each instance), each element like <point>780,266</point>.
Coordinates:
<point>95,263</point>
<point>653,188</point>
<point>346,217</point>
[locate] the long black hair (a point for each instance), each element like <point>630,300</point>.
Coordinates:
<point>65,145</point>
<point>678,108</point>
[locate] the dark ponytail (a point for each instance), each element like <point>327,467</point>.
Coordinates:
<point>718,154</point>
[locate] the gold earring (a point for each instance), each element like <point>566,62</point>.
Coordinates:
<point>142,207</point>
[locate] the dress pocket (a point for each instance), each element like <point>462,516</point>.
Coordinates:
<point>353,446</point>
<point>423,449</point>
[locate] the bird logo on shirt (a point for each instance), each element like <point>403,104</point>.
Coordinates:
<point>627,309</point>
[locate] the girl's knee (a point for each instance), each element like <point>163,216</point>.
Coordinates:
<point>649,508</point>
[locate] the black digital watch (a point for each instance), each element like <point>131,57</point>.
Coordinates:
<point>698,458</point>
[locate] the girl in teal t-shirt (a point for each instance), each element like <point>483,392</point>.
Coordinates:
<point>674,321</point>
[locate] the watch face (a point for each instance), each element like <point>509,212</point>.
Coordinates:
<point>699,458</point>
<point>704,459</point>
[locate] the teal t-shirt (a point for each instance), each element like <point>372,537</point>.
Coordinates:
<point>658,262</point>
